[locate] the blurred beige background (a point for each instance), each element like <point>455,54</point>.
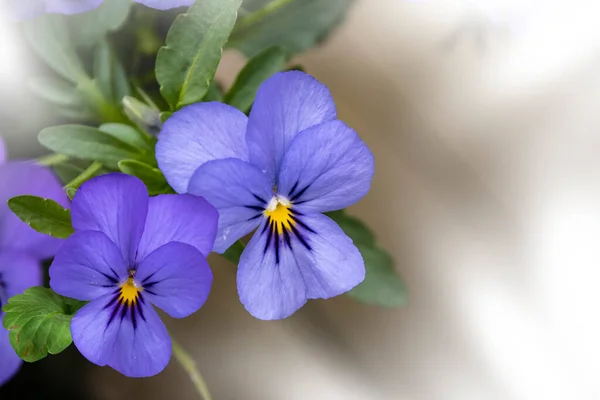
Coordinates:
<point>484,122</point>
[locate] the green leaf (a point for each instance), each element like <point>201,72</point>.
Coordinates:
<point>39,322</point>
<point>44,215</point>
<point>152,177</point>
<point>103,69</point>
<point>257,70</point>
<point>382,285</point>
<point>87,143</point>
<point>296,25</point>
<point>67,171</point>
<point>127,134</point>
<point>234,252</point>
<point>214,92</point>
<point>49,37</point>
<point>90,27</point>
<point>186,66</point>
<point>55,90</point>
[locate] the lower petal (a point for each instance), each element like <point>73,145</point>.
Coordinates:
<point>279,271</point>
<point>9,360</point>
<point>270,285</point>
<point>137,348</point>
<point>333,265</point>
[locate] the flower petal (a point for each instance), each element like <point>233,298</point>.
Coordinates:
<point>314,260</point>
<point>183,218</point>
<point>136,350</point>
<point>165,4</point>
<point>196,134</point>
<point>327,167</point>
<point>2,151</point>
<point>285,105</point>
<point>176,278</point>
<point>115,204</point>
<point>239,191</point>
<point>9,360</point>
<point>267,288</point>
<point>27,178</point>
<point>18,271</point>
<point>88,265</point>
<point>26,9</point>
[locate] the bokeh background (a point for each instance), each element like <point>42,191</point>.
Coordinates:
<point>484,120</point>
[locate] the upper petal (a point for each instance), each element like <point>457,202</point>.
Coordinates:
<point>115,204</point>
<point>183,218</point>
<point>165,4</point>
<point>88,265</point>
<point>106,335</point>
<point>282,268</point>
<point>176,278</point>
<point>27,178</point>
<point>9,360</point>
<point>239,191</point>
<point>196,134</point>
<point>327,167</point>
<point>286,104</point>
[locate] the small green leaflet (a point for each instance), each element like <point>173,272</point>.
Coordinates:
<point>90,27</point>
<point>382,286</point>
<point>296,25</point>
<point>257,70</point>
<point>152,177</point>
<point>87,143</point>
<point>39,322</point>
<point>186,66</point>
<point>44,215</point>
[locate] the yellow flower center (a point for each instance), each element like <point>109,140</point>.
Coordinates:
<point>130,292</point>
<point>279,214</point>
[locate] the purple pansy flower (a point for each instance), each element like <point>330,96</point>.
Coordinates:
<point>25,9</point>
<point>21,248</point>
<point>277,171</point>
<point>130,252</point>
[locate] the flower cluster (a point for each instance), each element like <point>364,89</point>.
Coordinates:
<point>21,248</point>
<point>277,171</point>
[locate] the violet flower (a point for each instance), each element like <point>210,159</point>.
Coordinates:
<point>127,253</point>
<point>277,171</point>
<point>26,9</point>
<point>21,248</point>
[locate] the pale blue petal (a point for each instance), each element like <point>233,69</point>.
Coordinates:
<point>285,105</point>
<point>196,134</point>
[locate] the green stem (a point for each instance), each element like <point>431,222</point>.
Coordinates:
<point>252,18</point>
<point>188,363</point>
<point>85,175</point>
<point>52,159</point>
